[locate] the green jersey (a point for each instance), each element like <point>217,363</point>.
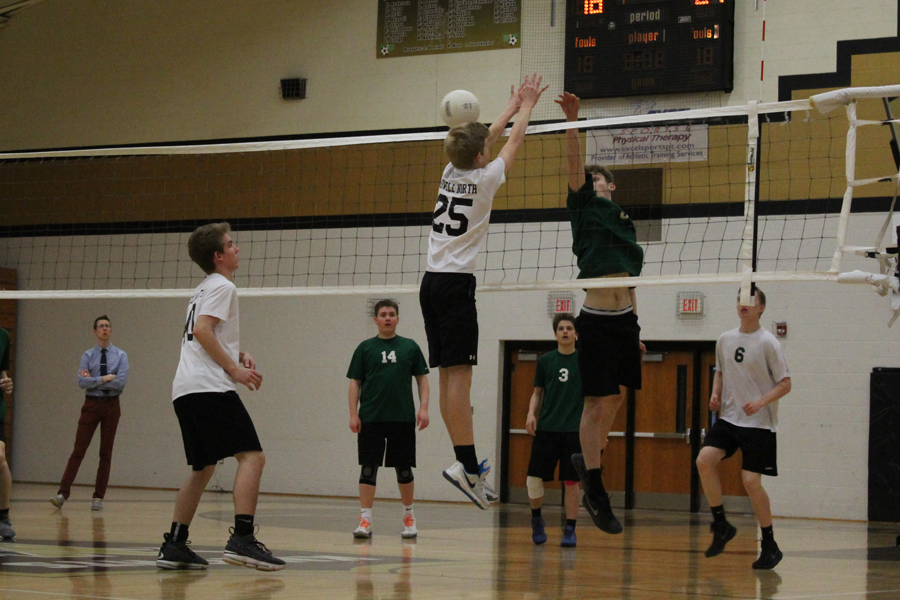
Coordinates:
<point>561,408</point>
<point>603,235</point>
<point>4,366</point>
<point>385,367</point>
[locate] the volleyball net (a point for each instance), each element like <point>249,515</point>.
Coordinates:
<point>761,192</point>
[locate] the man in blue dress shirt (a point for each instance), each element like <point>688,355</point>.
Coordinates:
<point>102,375</point>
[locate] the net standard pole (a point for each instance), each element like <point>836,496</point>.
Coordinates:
<point>753,263</point>
<point>751,195</point>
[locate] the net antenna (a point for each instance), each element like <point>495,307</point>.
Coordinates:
<point>737,194</point>
<point>887,279</point>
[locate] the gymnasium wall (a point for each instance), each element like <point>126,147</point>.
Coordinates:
<point>106,73</point>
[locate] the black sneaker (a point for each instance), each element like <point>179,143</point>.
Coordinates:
<point>769,557</point>
<point>722,534</point>
<point>601,514</point>
<point>6,531</point>
<point>597,504</point>
<point>177,555</point>
<point>247,551</point>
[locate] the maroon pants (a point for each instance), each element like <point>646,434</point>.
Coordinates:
<point>104,412</point>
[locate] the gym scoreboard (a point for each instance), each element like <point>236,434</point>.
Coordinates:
<point>648,47</point>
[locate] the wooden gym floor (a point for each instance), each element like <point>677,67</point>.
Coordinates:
<point>462,552</point>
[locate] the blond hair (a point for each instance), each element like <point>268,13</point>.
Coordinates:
<point>464,143</point>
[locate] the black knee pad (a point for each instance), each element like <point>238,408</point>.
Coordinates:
<point>404,474</point>
<point>368,474</point>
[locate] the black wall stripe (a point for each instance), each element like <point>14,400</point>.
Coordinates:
<point>846,50</point>
<point>637,213</point>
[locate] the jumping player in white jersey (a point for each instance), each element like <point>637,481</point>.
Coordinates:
<point>447,296</point>
<point>751,376</point>
<point>214,423</point>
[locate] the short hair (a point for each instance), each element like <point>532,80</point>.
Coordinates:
<point>101,318</point>
<point>760,295</point>
<point>205,242</point>
<point>464,143</point>
<point>559,317</point>
<point>598,170</point>
<point>386,302</point>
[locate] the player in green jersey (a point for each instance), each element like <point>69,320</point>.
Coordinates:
<point>383,412</point>
<point>609,348</point>
<point>557,399</point>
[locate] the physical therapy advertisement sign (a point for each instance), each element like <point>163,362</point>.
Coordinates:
<point>641,145</point>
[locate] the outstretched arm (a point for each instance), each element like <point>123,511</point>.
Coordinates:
<point>570,105</point>
<point>499,125</point>
<point>530,93</point>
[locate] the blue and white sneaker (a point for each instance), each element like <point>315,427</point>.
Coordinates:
<point>484,469</point>
<point>470,485</point>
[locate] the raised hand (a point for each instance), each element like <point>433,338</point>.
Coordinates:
<point>531,89</point>
<point>570,105</point>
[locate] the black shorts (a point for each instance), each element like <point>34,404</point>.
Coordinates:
<point>551,447</point>
<point>451,320</point>
<point>214,425</point>
<point>3,432</point>
<point>758,446</point>
<point>399,438</point>
<point>609,352</point>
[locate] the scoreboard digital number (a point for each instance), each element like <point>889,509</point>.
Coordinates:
<point>647,47</point>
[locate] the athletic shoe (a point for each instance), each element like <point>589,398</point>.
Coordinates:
<point>596,504</point>
<point>177,555</point>
<point>6,530</point>
<point>57,500</point>
<point>602,514</point>
<point>769,557</point>
<point>247,551</point>
<point>409,531</point>
<point>569,539</point>
<point>538,535</point>
<point>723,532</point>
<point>457,475</point>
<point>364,531</point>
<point>489,491</point>
<point>97,504</point>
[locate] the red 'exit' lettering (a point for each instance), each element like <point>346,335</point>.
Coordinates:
<point>563,306</point>
<point>690,305</point>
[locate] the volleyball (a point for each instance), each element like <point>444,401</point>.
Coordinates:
<point>458,107</point>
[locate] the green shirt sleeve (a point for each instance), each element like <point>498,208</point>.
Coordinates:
<point>357,368</point>
<point>540,375</point>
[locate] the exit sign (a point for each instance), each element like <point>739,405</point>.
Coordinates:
<point>560,302</point>
<point>690,304</point>
<point>563,305</point>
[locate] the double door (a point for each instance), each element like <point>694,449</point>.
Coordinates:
<point>649,460</point>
